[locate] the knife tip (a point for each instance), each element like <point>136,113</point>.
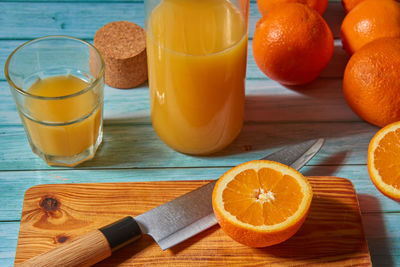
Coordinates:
<point>320,141</point>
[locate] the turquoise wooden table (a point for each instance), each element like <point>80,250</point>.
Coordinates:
<point>274,116</point>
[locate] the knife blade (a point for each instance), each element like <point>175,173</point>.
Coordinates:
<point>168,224</point>
<point>191,213</point>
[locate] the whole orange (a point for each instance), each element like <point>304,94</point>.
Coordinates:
<point>350,4</point>
<point>292,44</point>
<point>368,21</point>
<point>371,83</point>
<point>265,5</point>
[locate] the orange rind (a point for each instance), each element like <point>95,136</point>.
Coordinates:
<point>261,203</point>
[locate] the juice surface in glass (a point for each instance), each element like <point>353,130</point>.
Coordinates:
<point>197,51</point>
<point>63,127</point>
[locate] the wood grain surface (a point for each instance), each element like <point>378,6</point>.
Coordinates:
<point>276,115</point>
<point>85,250</point>
<point>334,69</point>
<point>264,101</point>
<point>29,21</point>
<point>56,214</point>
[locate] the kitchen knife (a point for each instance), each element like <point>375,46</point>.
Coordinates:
<point>169,224</point>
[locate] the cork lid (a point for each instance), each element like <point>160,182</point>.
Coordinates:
<point>120,39</point>
<point>123,47</point>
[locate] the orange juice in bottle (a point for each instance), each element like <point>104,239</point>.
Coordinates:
<point>197,51</point>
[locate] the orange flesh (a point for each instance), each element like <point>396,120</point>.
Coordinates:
<point>266,197</point>
<point>386,157</point>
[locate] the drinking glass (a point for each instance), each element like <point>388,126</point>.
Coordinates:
<point>64,129</point>
<point>197,53</point>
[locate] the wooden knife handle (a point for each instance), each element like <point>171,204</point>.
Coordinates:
<point>90,248</point>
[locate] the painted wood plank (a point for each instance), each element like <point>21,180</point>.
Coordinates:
<point>137,146</point>
<point>93,1</point>
<point>107,1</point>
<point>321,100</point>
<point>6,48</point>
<point>370,199</point>
<point>8,242</point>
<point>383,235</point>
<point>81,20</point>
<point>266,101</point>
<point>335,68</point>
<point>28,21</point>
<point>14,184</point>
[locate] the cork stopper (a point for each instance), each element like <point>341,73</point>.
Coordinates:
<point>123,47</point>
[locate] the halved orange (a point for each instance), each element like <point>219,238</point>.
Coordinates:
<point>261,203</point>
<point>383,160</point>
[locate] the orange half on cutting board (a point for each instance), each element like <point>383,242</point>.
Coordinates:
<point>261,203</point>
<point>383,160</point>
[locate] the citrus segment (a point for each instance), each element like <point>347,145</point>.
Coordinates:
<point>261,203</point>
<point>383,163</point>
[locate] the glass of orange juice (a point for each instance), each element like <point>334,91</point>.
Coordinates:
<point>57,83</point>
<point>197,53</point>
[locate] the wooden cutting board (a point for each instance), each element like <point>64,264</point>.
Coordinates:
<point>54,214</point>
